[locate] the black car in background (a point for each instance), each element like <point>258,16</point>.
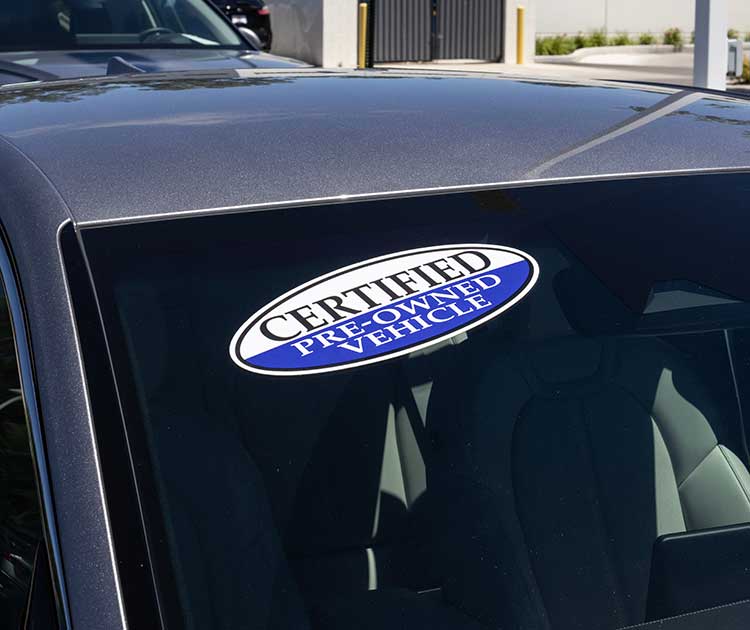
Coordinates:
<point>41,40</point>
<point>252,14</point>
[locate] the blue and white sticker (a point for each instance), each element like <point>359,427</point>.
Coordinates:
<point>383,308</point>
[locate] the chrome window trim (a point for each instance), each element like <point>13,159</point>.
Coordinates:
<point>90,417</point>
<point>402,194</point>
<point>31,406</point>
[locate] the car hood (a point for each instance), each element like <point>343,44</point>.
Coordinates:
<point>69,64</point>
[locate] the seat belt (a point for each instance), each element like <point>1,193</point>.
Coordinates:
<point>406,399</point>
<point>420,369</point>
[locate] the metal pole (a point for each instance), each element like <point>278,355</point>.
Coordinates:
<point>520,14</point>
<point>362,42</point>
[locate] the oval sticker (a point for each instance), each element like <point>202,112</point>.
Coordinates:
<point>382,308</point>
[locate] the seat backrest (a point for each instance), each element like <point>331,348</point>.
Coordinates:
<point>353,526</point>
<point>338,459</point>
<point>557,464</point>
<point>204,473</point>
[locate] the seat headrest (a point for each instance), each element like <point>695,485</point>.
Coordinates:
<point>589,307</point>
<point>336,500</point>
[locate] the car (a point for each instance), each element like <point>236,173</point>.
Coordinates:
<point>42,40</point>
<point>252,14</point>
<point>452,351</point>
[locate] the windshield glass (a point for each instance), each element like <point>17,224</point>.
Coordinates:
<point>501,409</point>
<point>72,24</point>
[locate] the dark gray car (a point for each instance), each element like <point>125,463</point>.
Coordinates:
<point>49,39</point>
<point>448,352</point>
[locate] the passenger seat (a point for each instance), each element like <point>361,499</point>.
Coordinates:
<point>358,539</point>
<point>557,463</point>
<point>230,567</point>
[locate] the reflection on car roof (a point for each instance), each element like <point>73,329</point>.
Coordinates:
<point>140,147</point>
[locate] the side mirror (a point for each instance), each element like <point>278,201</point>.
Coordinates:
<point>251,37</point>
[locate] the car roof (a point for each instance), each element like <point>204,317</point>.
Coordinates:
<point>142,147</point>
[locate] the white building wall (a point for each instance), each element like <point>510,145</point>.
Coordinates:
<point>631,16</point>
<point>321,32</point>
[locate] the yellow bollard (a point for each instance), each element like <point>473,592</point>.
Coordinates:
<point>520,14</point>
<point>362,46</point>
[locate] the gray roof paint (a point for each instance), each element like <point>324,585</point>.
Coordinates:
<point>126,147</point>
<point>32,212</point>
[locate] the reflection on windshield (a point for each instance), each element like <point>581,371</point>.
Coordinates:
<point>71,24</point>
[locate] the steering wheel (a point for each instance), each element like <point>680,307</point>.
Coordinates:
<point>159,30</point>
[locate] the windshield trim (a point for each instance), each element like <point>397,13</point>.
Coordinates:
<point>403,194</point>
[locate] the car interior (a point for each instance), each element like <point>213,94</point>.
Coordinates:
<point>65,24</point>
<point>537,472</point>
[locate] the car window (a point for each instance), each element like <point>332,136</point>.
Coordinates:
<point>70,24</point>
<point>518,408</point>
<point>20,521</point>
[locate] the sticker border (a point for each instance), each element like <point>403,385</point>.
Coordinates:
<point>234,344</point>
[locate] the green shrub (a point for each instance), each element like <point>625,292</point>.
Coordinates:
<point>621,39</point>
<point>745,77</point>
<point>673,37</point>
<point>598,38</point>
<point>646,39</point>
<point>566,44</point>
<point>733,33</point>
<point>555,45</point>
<point>692,37</point>
<point>581,41</point>
<point>562,45</point>
<point>747,37</point>
<point>542,46</point>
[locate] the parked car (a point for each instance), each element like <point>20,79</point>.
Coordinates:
<point>252,14</point>
<point>49,39</point>
<point>433,351</point>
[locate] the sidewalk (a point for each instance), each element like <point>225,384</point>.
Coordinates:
<point>673,68</point>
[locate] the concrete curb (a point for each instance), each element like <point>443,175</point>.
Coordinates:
<point>582,53</point>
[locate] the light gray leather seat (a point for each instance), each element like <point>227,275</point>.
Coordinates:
<point>557,464</point>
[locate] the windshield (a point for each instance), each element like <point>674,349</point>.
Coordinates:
<point>502,409</point>
<point>73,24</point>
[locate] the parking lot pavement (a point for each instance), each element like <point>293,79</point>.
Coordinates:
<point>673,68</point>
